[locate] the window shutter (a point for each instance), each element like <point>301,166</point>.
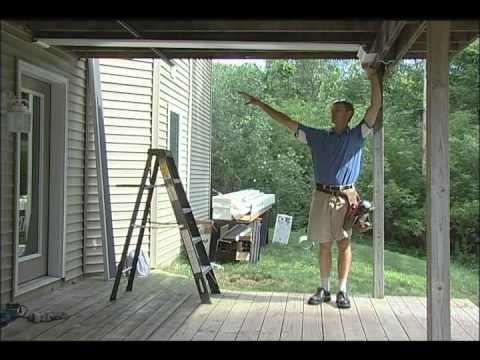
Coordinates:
<point>174,135</point>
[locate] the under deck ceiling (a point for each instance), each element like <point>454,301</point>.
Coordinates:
<point>360,32</point>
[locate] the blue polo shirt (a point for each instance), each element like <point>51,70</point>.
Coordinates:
<point>337,158</point>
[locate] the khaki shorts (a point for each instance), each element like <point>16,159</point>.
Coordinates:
<point>327,213</point>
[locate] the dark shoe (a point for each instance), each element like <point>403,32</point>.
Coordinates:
<point>320,296</point>
<point>342,300</point>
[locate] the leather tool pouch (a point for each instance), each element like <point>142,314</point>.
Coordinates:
<point>357,216</point>
<point>352,198</point>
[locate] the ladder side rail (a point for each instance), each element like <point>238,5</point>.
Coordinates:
<point>123,258</point>
<point>146,213</point>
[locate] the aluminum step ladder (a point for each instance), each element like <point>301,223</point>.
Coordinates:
<point>192,242</point>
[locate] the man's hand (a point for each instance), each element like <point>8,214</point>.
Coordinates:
<point>370,70</point>
<point>276,115</point>
<point>251,99</point>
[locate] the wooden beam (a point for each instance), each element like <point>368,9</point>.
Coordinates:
<point>378,200</point>
<point>386,37</point>
<point>405,40</point>
<point>365,38</point>
<point>438,184</point>
<point>211,25</point>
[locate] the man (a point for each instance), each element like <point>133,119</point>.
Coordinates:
<point>336,155</point>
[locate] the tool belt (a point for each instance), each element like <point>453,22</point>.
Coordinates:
<point>357,215</point>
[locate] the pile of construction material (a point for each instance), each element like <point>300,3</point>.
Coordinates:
<point>241,205</point>
<point>235,244</point>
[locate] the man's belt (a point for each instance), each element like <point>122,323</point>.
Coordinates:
<point>333,188</point>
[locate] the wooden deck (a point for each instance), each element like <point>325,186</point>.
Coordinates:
<point>166,307</point>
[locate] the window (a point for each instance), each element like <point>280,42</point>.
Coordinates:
<point>173,136</point>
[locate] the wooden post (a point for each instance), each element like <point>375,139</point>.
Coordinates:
<point>438,184</point>
<point>424,121</point>
<point>378,200</point>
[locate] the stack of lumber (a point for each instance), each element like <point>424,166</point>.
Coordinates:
<point>237,204</point>
<point>235,244</point>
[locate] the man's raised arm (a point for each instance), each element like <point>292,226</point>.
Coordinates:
<point>375,98</point>
<point>281,118</point>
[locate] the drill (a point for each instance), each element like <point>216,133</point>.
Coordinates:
<point>357,216</point>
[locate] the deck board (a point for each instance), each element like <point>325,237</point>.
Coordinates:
<point>105,312</point>
<point>414,329</point>
<point>370,321</point>
<point>332,322</point>
<point>155,300</point>
<point>352,326</point>
<point>252,325</point>
<point>235,318</point>
<point>168,307</point>
<point>458,329</point>
<point>171,325</point>
<point>293,318</point>
<point>153,322</point>
<point>312,321</point>
<point>69,329</point>
<point>273,322</point>
<point>191,325</point>
<point>392,327</point>
<point>216,318</point>
<point>72,303</point>
<point>469,308</point>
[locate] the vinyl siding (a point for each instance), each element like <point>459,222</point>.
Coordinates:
<point>200,160</point>
<point>126,87</point>
<point>16,44</point>
<point>173,95</point>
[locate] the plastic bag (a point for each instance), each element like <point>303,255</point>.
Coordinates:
<point>143,264</point>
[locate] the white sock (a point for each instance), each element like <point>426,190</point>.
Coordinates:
<point>342,285</point>
<point>326,283</point>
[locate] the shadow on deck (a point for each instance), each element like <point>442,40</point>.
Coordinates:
<point>167,307</point>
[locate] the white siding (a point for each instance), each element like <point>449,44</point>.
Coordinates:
<point>127,90</point>
<point>174,94</point>
<point>200,159</point>
<point>126,87</point>
<point>17,44</point>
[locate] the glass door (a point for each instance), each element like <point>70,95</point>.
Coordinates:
<point>33,181</point>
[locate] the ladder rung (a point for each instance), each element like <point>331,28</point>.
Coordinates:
<point>187,210</point>
<point>136,186</point>
<point>206,269</point>
<point>127,269</point>
<point>176,181</point>
<point>196,239</point>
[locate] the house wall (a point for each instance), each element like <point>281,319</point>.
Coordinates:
<point>126,87</point>
<point>128,90</point>
<point>16,44</point>
<point>173,94</point>
<point>200,150</point>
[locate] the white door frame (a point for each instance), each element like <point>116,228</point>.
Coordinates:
<point>58,166</point>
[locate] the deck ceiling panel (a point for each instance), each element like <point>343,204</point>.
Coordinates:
<point>360,32</point>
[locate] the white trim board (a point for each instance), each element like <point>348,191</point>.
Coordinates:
<point>58,165</point>
<point>205,44</point>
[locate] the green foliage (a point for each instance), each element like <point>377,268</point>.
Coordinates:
<point>250,150</point>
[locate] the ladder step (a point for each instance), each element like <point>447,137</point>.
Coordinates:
<point>127,269</point>
<point>136,186</point>
<point>187,210</point>
<point>196,239</point>
<point>206,269</point>
<point>176,181</point>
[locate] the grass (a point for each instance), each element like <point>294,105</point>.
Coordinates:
<point>289,268</point>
